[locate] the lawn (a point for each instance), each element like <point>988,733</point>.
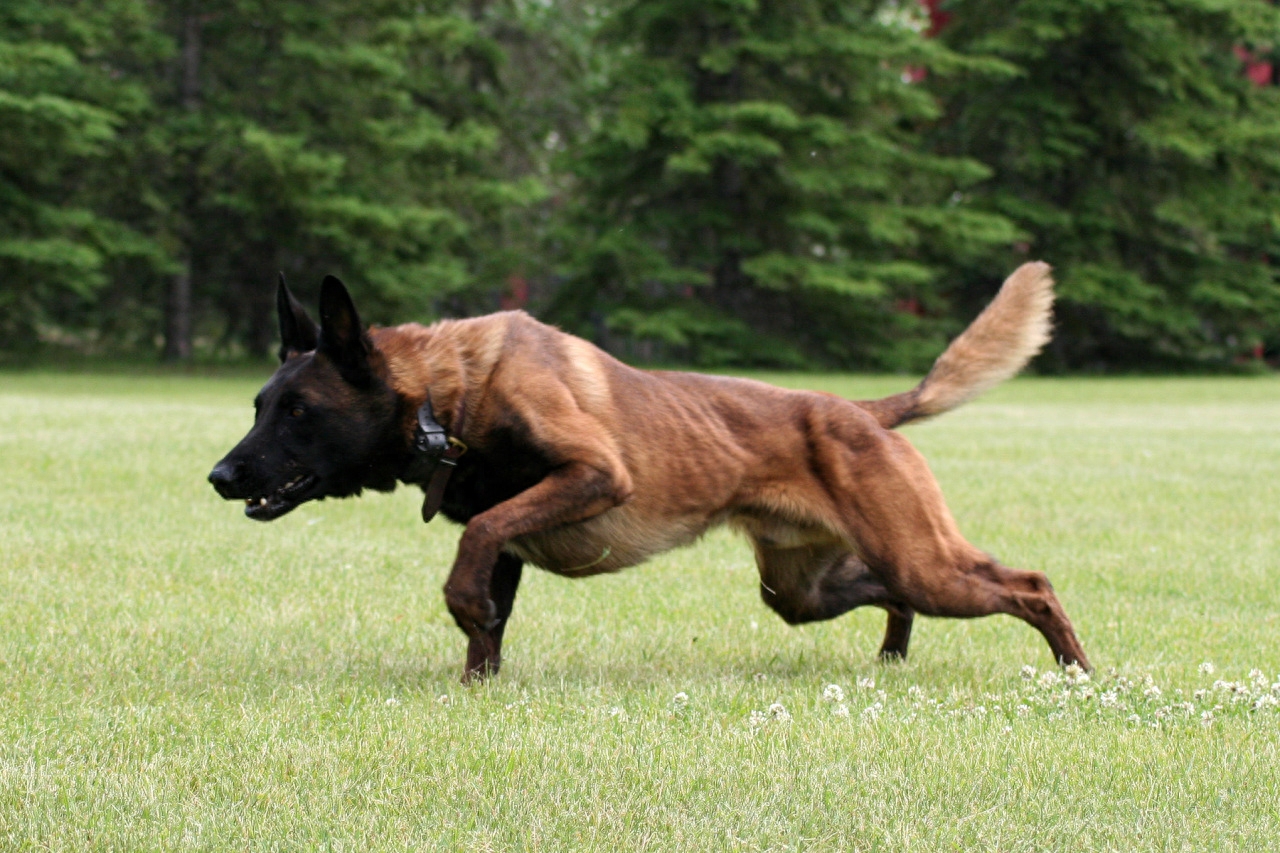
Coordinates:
<point>174,676</point>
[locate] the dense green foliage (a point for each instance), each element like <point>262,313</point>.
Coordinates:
<point>1139,159</point>
<point>714,181</point>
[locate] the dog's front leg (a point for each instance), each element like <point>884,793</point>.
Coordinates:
<point>573,492</point>
<point>484,653</point>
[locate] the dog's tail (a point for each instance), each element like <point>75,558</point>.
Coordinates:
<point>999,343</point>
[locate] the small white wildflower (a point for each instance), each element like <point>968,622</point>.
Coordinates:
<point>1135,719</point>
<point>1266,700</point>
<point>1074,670</point>
<point>1152,692</point>
<point>1206,719</point>
<point>779,713</point>
<point>1258,677</point>
<point>872,712</point>
<point>1109,699</point>
<point>443,699</point>
<point>1049,679</point>
<point>833,693</point>
<point>757,719</point>
<point>866,683</point>
<point>841,710</point>
<point>617,713</point>
<point>1008,730</point>
<point>680,700</point>
<point>759,677</point>
<point>1023,710</point>
<point>1199,695</point>
<point>392,702</point>
<point>1028,672</point>
<point>915,691</point>
<point>1207,668</point>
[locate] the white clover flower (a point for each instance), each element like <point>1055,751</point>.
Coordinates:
<point>872,712</point>
<point>1109,699</point>
<point>833,693</point>
<point>866,683</point>
<point>617,713</point>
<point>1258,677</point>
<point>1049,679</point>
<point>1135,719</point>
<point>1266,700</point>
<point>1206,719</point>
<point>1028,672</point>
<point>1152,692</point>
<point>680,700</point>
<point>759,677</point>
<point>1199,695</point>
<point>1074,670</point>
<point>841,710</point>
<point>392,702</point>
<point>779,713</point>
<point>915,691</point>
<point>1207,668</point>
<point>757,719</point>
<point>443,699</point>
<point>1023,710</point>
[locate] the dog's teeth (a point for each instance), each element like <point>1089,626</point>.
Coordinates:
<point>262,501</point>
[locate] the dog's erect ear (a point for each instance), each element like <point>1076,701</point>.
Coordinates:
<point>297,329</point>
<point>342,338</point>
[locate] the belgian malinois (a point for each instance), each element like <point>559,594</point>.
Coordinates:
<point>551,452</point>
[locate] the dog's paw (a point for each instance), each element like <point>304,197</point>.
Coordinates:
<point>475,614</point>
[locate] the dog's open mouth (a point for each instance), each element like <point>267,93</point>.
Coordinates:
<point>282,500</point>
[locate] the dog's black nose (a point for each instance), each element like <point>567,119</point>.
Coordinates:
<point>224,476</point>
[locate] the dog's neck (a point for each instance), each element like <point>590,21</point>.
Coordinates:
<point>452,360</point>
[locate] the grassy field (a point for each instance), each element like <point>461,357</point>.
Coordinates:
<point>174,676</point>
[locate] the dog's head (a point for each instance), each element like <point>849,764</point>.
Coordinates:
<point>326,423</point>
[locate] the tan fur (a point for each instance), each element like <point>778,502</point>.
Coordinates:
<point>841,511</point>
<point>995,346</point>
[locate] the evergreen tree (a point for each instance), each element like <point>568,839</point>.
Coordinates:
<point>353,137</point>
<point>60,110</point>
<point>1140,160</point>
<point>757,188</point>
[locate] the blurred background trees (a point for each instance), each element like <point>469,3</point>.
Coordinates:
<point>717,182</point>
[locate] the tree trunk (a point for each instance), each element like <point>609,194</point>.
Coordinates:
<point>177,316</point>
<point>178,306</point>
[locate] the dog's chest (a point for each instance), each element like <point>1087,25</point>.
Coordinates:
<point>608,542</point>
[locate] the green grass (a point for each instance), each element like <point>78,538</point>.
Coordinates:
<point>173,676</point>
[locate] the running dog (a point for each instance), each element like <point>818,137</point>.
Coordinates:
<point>551,452</point>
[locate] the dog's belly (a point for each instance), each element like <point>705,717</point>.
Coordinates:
<point>611,541</point>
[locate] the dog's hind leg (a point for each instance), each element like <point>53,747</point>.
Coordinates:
<point>812,583</point>
<point>894,512</point>
<point>484,652</point>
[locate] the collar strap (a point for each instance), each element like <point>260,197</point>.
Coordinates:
<point>435,456</point>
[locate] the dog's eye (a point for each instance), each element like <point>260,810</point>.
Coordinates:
<point>296,412</point>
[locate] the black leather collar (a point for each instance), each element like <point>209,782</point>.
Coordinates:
<point>435,455</point>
